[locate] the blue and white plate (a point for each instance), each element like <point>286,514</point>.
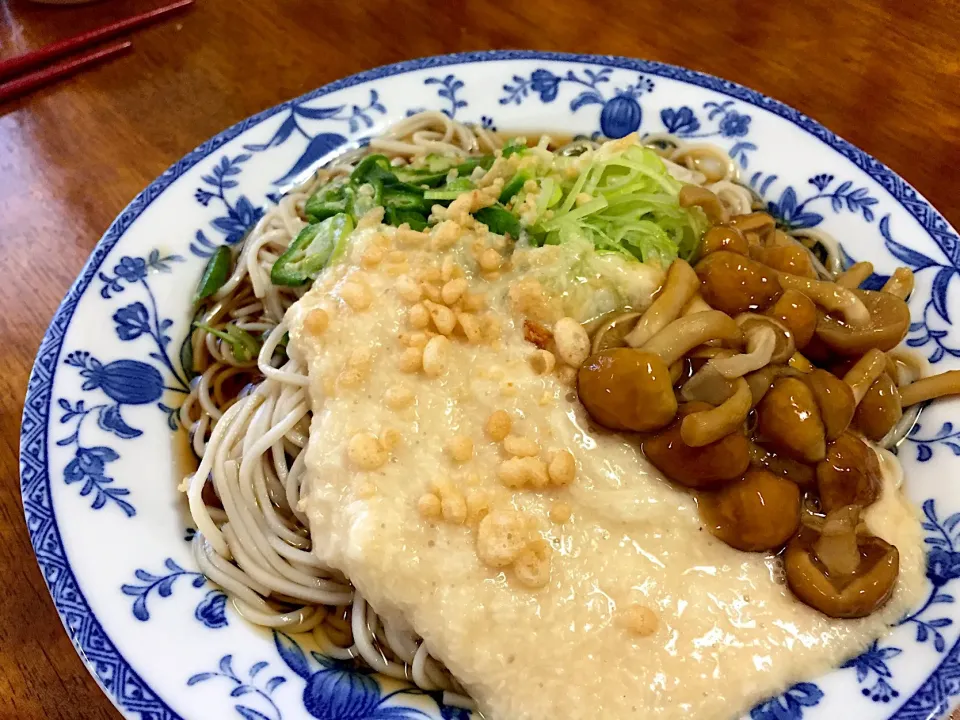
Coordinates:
<point>98,463</point>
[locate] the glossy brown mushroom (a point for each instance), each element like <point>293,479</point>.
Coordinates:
<point>864,372</point>
<point>757,513</point>
<point>850,474</point>
<point>907,367</point>
<point>627,389</point>
<point>767,342</point>
<point>680,285</point>
<point>888,324</point>
<point>697,467</point>
<point>900,283</point>
<point>696,196</point>
<point>930,388</point>
<point>832,298</point>
<point>788,420</point>
<point>684,334</point>
<point>735,284</point>
<point>612,330</point>
<point>759,223</point>
<point>879,410</point>
<point>706,385</point>
<point>836,594</point>
<point>854,276</point>
<point>762,380</point>
<point>790,258</point>
<point>817,351</point>
<point>765,459</point>
<point>836,547</point>
<point>724,237</point>
<point>801,363</point>
<point>784,347</point>
<point>798,314</point>
<point>710,425</point>
<point>835,400</point>
<point>680,371</point>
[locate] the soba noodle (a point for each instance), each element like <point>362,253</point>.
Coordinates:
<point>249,419</point>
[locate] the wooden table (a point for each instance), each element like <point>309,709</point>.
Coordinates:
<point>885,75</point>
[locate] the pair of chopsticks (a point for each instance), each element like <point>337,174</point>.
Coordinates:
<point>23,73</point>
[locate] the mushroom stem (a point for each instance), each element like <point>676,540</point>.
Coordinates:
<point>799,362</point>
<point>830,297</point>
<point>707,426</point>
<point>681,284</point>
<point>947,383</point>
<point>760,383</point>
<point>864,373</point>
<point>784,344</point>
<point>676,371</point>
<point>709,352</point>
<point>761,342</point>
<point>695,305</point>
<point>900,283</point>
<point>682,335</point>
<point>910,365</point>
<point>899,431</point>
<point>854,275</point>
<point>708,386</point>
<point>836,547</point>
<point>694,195</point>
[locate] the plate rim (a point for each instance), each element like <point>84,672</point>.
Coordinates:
<point>34,448</point>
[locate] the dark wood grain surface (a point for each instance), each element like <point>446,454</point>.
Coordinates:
<point>885,74</point>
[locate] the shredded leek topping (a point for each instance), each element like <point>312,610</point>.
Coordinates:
<point>618,198</point>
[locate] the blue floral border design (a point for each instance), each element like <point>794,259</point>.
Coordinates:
<point>119,680</point>
<point>352,694</point>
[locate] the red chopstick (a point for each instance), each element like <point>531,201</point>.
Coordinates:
<point>64,47</point>
<point>28,82</point>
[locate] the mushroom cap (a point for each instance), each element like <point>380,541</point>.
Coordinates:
<point>880,408</point>
<point>889,321</point>
<point>798,313</point>
<point>713,424</point>
<point>724,237</point>
<point>849,475</point>
<point>697,467</point>
<point>627,389</point>
<point>789,420</point>
<point>790,258</point>
<point>759,512</point>
<point>735,284</point>
<point>834,399</point>
<point>852,596</point>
